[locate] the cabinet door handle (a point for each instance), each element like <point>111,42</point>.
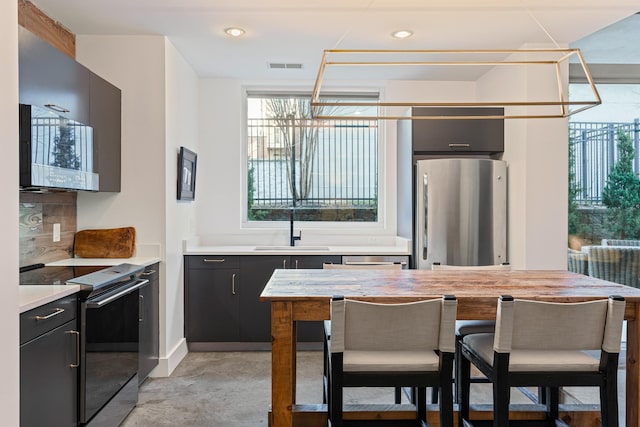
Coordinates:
<point>459,146</point>
<point>49,316</point>
<point>77,334</point>
<point>233,284</point>
<point>296,264</point>
<point>213,260</point>
<point>57,108</point>
<point>284,263</point>
<point>141,308</point>
<point>149,272</point>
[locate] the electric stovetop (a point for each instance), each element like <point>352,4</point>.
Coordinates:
<point>39,274</point>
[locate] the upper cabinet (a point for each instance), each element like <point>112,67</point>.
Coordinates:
<point>455,136</point>
<point>107,124</point>
<point>49,78</point>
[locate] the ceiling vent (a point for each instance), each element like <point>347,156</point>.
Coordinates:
<point>284,66</point>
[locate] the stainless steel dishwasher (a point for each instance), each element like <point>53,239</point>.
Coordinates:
<point>376,260</point>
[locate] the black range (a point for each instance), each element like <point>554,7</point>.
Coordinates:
<point>109,341</point>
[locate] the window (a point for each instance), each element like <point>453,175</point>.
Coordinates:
<point>326,170</point>
<point>604,163</point>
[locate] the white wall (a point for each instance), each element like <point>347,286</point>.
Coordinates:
<point>9,358</point>
<point>159,107</point>
<point>222,183</point>
<point>135,64</point>
<point>181,86</point>
<point>537,156</point>
<point>536,151</point>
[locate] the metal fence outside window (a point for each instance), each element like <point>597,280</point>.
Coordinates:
<point>595,152</point>
<point>300,163</point>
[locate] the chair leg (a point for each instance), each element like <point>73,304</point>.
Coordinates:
<point>456,363</point>
<point>335,390</point>
<point>609,404</point>
<point>465,387</point>
<point>434,395</point>
<point>421,403</point>
<point>325,361</point>
<point>398,395</point>
<point>501,390</point>
<point>542,395</point>
<point>552,397</point>
<point>609,396</point>
<point>446,389</point>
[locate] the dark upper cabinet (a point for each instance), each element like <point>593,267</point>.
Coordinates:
<point>106,121</point>
<point>453,136</point>
<point>49,78</point>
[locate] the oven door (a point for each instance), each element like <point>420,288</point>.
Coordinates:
<point>109,343</point>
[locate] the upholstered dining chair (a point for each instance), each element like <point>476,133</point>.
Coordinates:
<point>327,323</point>
<point>547,344</point>
<point>392,345</point>
<point>466,327</point>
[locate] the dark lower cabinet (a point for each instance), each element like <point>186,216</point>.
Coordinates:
<point>149,350</point>
<point>255,271</point>
<point>212,299</point>
<point>222,297</point>
<point>49,365</point>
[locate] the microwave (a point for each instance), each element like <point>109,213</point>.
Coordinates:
<point>55,151</point>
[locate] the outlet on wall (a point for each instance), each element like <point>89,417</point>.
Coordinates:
<point>56,232</point>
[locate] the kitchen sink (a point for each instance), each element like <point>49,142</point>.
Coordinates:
<point>291,248</point>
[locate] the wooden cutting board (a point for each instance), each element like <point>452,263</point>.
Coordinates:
<point>105,243</point>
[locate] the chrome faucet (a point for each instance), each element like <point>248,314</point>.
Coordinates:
<point>292,238</point>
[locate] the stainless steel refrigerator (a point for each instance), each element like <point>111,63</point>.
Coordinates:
<point>460,212</point>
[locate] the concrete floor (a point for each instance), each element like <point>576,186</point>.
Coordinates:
<point>234,389</point>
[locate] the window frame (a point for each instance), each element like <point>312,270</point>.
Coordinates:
<point>379,224</point>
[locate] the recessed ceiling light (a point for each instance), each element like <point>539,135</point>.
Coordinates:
<point>234,31</point>
<point>402,34</point>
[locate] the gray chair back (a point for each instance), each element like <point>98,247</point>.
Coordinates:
<point>618,264</point>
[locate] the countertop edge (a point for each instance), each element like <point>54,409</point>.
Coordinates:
<point>34,296</point>
<point>332,250</point>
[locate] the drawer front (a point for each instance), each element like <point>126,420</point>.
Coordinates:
<point>213,261</point>
<point>45,318</point>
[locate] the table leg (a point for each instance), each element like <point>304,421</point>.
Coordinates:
<point>283,359</point>
<point>633,371</point>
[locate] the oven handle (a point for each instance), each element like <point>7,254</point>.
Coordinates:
<point>138,284</point>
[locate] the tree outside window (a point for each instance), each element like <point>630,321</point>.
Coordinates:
<point>326,170</point>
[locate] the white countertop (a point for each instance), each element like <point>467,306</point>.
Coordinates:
<point>32,296</point>
<point>108,262</point>
<point>298,250</point>
<point>386,246</point>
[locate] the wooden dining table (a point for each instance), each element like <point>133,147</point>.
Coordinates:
<point>304,295</point>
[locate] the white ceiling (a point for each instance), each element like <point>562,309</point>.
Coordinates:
<point>297,31</point>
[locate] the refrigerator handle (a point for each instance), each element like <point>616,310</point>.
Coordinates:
<point>421,249</point>
<point>425,207</point>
